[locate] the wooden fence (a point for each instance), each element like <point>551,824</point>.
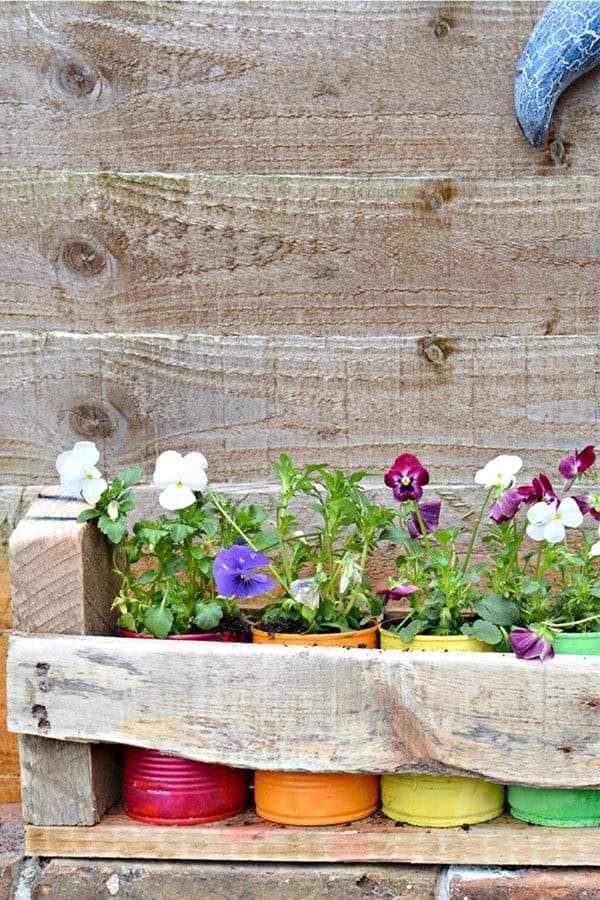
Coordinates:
<point>254,226</point>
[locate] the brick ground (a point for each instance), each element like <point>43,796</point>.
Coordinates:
<point>464,883</point>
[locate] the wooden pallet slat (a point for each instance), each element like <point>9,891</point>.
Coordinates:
<point>501,842</point>
<point>316,709</point>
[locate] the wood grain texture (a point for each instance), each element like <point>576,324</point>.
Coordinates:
<point>61,580</point>
<point>358,87</point>
<point>315,256</point>
<point>353,402</point>
<point>504,841</point>
<point>61,572</point>
<point>482,715</point>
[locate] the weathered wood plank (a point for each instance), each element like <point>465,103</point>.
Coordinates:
<point>62,580</point>
<point>325,256</point>
<point>481,715</point>
<point>365,87</point>
<point>504,841</point>
<point>354,402</point>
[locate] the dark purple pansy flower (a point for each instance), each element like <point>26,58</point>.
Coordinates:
<point>234,573</point>
<point>529,645</point>
<point>506,507</point>
<point>406,478</point>
<point>508,504</point>
<point>587,504</point>
<point>399,592</point>
<point>576,464</point>
<point>430,513</point>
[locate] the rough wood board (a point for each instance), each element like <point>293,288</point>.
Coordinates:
<point>484,715</point>
<point>358,87</point>
<point>502,842</point>
<point>316,256</point>
<point>353,402</point>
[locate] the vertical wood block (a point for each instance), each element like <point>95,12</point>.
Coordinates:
<point>62,583</point>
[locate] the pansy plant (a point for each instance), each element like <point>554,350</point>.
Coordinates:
<point>166,563</point>
<point>319,568</point>
<point>436,575</point>
<point>543,561</point>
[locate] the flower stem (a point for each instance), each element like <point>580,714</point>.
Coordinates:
<point>476,528</point>
<point>247,540</point>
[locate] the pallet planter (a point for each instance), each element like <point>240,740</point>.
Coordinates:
<point>74,692</point>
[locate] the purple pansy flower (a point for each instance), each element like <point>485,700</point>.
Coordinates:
<point>576,464</point>
<point>407,477</point>
<point>529,645</point>
<point>234,573</point>
<point>587,504</point>
<point>507,506</point>
<point>398,593</point>
<point>430,513</point>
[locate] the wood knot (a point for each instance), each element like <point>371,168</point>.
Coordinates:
<point>92,420</point>
<point>566,749</point>
<point>557,152</point>
<point>83,258</point>
<point>77,79</point>
<point>42,668</point>
<point>441,28</point>
<point>435,350</point>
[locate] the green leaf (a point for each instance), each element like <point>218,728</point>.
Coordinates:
<point>179,531</point>
<point>114,531</point>
<point>264,540</point>
<point>131,476</point>
<point>208,615</point>
<point>498,610</point>
<point>158,622</point>
<point>127,622</point>
<point>411,630</point>
<point>86,514</point>
<point>483,631</point>
<point>148,577</point>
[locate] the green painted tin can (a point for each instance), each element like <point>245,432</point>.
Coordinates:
<point>564,808</point>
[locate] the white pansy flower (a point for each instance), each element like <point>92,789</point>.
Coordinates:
<point>595,548</point>
<point>547,521</point>
<point>113,510</point>
<point>178,477</point>
<point>78,472</point>
<point>499,472</point>
<point>306,592</point>
<point>351,571</point>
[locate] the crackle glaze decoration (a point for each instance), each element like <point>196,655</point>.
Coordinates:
<point>564,44</point>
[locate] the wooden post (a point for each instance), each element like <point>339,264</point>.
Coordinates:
<point>62,582</point>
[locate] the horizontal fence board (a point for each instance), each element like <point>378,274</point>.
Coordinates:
<point>353,402</point>
<point>503,842</point>
<point>412,88</point>
<point>481,715</point>
<point>315,256</point>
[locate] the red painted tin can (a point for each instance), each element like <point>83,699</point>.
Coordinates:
<point>167,790</point>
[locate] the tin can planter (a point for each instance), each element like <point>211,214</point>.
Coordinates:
<point>438,801</point>
<point>304,798</point>
<point>563,808</point>
<point>168,790</point>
